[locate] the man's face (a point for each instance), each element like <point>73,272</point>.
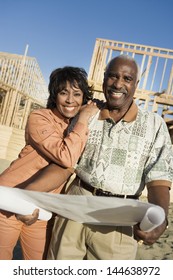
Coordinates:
<point>120,83</point>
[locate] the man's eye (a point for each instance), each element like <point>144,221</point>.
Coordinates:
<point>111,76</point>
<point>128,79</point>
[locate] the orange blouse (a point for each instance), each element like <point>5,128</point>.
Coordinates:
<point>45,142</point>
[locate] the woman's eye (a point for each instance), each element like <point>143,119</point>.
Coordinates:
<point>77,94</point>
<point>62,93</point>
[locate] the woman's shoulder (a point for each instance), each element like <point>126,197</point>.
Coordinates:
<point>40,111</point>
<point>40,114</point>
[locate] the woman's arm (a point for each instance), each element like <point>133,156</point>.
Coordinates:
<point>45,133</point>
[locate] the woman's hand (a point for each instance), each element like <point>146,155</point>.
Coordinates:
<point>87,111</point>
<point>28,219</point>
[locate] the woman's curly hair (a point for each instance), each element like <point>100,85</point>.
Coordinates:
<point>73,75</point>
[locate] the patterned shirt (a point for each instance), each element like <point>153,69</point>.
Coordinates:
<point>123,157</point>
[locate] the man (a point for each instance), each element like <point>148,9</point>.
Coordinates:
<point>128,148</point>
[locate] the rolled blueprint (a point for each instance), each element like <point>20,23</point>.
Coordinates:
<point>83,209</point>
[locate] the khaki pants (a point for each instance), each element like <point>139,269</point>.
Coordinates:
<point>75,241</point>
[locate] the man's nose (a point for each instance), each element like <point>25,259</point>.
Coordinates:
<point>118,83</point>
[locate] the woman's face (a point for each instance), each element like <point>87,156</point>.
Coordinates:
<point>69,100</point>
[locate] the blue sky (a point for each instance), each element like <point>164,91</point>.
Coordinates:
<point>63,32</point>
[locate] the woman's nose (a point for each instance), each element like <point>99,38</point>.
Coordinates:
<point>70,98</point>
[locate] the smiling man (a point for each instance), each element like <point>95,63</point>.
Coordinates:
<point>128,148</point>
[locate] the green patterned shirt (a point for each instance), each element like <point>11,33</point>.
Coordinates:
<point>123,157</point>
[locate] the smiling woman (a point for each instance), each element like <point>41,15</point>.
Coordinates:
<point>69,100</point>
<point>50,136</point>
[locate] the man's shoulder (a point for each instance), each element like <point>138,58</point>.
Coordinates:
<point>149,114</point>
<point>151,120</point>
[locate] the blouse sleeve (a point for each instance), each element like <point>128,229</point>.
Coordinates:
<point>45,133</point>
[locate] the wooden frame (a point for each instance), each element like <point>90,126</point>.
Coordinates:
<point>155,89</point>
<point>22,88</point>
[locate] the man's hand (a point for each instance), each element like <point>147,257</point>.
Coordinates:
<point>151,237</point>
<point>28,219</point>
<point>158,195</point>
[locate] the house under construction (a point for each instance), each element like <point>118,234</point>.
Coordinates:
<point>22,87</point>
<point>155,89</point>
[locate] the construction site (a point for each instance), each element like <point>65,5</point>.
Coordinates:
<point>23,88</point>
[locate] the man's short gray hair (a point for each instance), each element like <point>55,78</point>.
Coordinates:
<point>130,58</point>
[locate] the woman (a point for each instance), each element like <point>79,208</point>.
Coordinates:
<point>51,136</point>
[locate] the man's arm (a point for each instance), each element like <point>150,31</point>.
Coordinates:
<point>158,195</point>
<point>50,178</point>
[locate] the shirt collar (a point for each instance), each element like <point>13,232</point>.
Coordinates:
<point>128,117</point>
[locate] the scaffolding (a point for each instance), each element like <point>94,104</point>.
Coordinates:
<point>22,89</point>
<point>155,89</point>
